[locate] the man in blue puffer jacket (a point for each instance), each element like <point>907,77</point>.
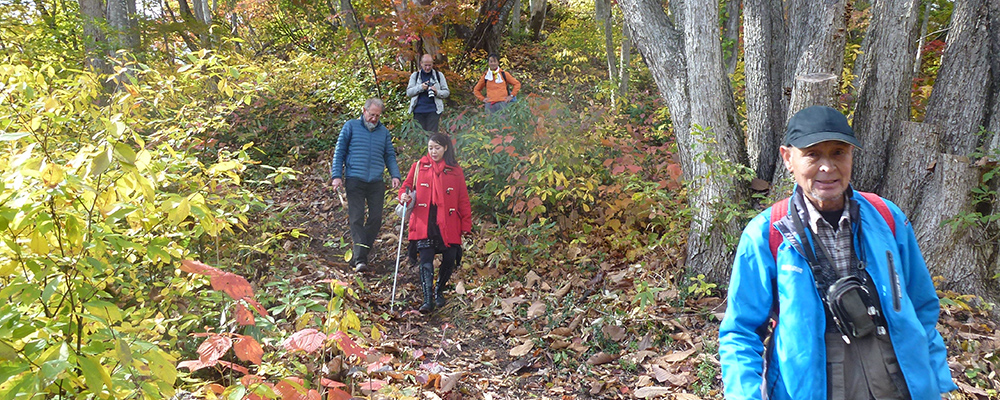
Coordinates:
<point>364,151</point>
<point>841,274</point>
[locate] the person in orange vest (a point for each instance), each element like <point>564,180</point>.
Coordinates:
<point>501,87</point>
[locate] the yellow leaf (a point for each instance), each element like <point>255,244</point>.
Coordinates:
<point>51,104</point>
<point>52,174</point>
<point>142,160</point>
<point>39,243</point>
<point>36,122</point>
<point>376,334</point>
<point>162,365</point>
<point>350,321</point>
<point>180,212</point>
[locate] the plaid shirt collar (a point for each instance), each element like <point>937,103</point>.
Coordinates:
<point>838,243</point>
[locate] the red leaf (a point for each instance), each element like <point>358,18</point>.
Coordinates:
<point>291,389</point>
<point>373,385</point>
<point>249,380</point>
<point>618,169</point>
<point>675,171</point>
<point>234,285</point>
<point>235,367</point>
<point>197,267</point>
<point>307,340</point>
<point>347,345</point>
<point>215,388</point>
<point>337,394</point>
<point>243,315</point>
<point>496,140</point>
<point>256,306</point>
<point>247,349</point>
<point>213,348</point>
<point>634,168</point>
<point>330,383</point>
<point>194,365</point>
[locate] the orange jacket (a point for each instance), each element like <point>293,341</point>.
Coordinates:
<point>497,91</point>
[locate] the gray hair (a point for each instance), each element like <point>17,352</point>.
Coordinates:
<point>374,101</point>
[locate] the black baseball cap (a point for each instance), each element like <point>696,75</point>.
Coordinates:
<point>818,124</point>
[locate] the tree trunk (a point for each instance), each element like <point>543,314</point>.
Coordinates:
<point>203,15</point>
<point>911,162</point>
<point>883,84</point>
<point>625,60</point>
<point>602,11</point>
<point>93,36</point>
<point>958,107</point>
<point>994,121</point>
<point>947,250</point>
<point>351,20</point>
<point>963,79</point>
<point>704,100</point>
<point>537,9</point>
<point>764,37</point>
<point>515,18</point>
<point>730,36</point>
<point>121,19</point>
<point>713,108</point>
<point>486,35</point>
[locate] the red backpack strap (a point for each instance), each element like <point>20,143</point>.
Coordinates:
<point>778,211</point>
<point>882,208</point>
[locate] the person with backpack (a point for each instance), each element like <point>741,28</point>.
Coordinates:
<point>441,215</point>
<point>364,151</point>
<point>829,296</point>
<point>501,87</point>
<point>427,91</point>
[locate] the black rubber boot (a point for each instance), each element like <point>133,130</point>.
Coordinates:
<point>427,285</point>
<point>443,275</point>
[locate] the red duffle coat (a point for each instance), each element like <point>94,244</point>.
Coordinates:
<point>454,217</point>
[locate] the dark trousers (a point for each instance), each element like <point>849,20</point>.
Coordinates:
<point>428,121</point>
<point>361,196</point>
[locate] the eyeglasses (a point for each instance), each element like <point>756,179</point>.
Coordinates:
<point>373,115</point>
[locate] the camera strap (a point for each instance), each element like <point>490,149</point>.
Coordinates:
<point>854,308</point>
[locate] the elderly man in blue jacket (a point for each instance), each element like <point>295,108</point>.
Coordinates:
<point>364,151</point>
<point>830,297</point>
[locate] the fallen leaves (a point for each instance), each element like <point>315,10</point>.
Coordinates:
<point>522,349</point>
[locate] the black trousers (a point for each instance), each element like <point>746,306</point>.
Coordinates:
<point>361,197</point>
<point>428,121</point>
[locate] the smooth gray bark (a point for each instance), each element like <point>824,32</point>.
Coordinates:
<point>536,10</point>
<point>602,11</point>
<point>92,13</point>
<point>625,60</point>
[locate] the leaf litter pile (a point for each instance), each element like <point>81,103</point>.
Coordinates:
<point>550,330</point>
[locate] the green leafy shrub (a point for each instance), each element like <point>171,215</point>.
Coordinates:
<point>99,197</point>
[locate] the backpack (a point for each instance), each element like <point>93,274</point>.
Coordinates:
<point>774,238</point>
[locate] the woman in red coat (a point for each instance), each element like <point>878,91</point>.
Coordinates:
<point>441,214</point>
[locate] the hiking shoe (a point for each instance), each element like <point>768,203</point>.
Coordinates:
<point>361,267</point>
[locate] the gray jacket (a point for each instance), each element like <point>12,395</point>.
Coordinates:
<point>440,89</point>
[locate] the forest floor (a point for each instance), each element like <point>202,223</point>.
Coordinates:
<point>550,332</point>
